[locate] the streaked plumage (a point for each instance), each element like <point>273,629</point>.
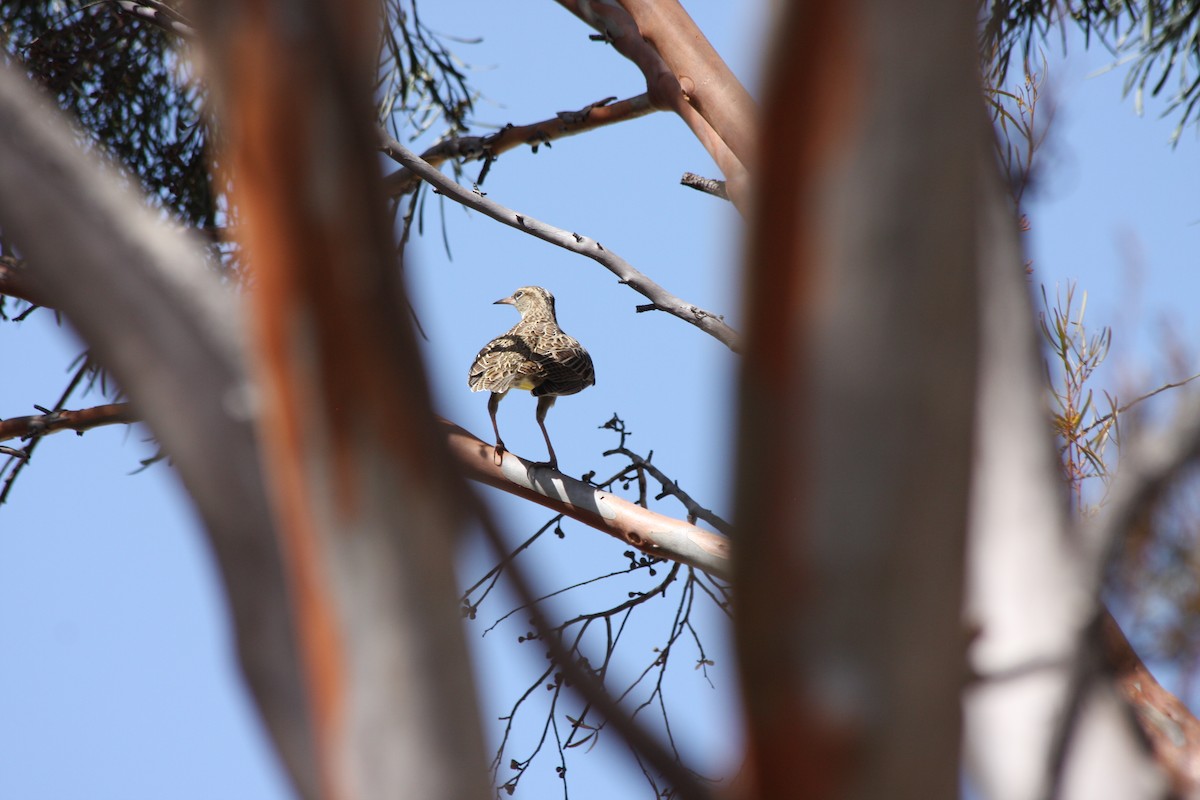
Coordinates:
<point>535,355</point>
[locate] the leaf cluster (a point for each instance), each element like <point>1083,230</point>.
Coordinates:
<point>1160,39</point>
<point>119,77</point>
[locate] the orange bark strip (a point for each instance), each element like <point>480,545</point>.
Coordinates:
<point>273,130</point>
<point>810,113</point>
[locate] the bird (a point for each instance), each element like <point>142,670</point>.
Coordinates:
<point>535,355</point>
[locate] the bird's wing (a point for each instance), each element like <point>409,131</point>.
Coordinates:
<point>566,366</point>
<point>506,362</point>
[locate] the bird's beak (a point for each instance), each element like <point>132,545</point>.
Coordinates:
<point>505,301</point>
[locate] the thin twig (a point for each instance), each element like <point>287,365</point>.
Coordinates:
<point>583,681</point>
<point>23,461</point>
<point>1112,414</point>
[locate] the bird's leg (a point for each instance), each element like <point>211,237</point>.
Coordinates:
<point>544,403</point>
<point>493,405</point>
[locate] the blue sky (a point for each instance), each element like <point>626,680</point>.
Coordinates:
<point>117,679</point>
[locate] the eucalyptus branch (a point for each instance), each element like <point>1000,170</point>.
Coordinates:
<point>18,460</point>
<point>492,576</point>
<point>569,638</point>
<point>488,148</point>
<point>660,298</point>
<point>707,185</point>
<point>680,92</point>
<point>79,421</point>
<point>654,534</point>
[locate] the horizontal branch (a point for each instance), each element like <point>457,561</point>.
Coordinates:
<point>659,297</point>
<point>78,421</point>
<point>652,533</point>
<point>561,125</point>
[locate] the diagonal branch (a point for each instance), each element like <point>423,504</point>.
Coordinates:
<point>1171,729</point>
<point>652,533</point>
<point>708,85</point>
<point>618,28</point>
<point>660,298</point>
<point>561,125</point>
<point>78,421</point>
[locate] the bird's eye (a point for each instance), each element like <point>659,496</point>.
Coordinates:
<point>517,294</point>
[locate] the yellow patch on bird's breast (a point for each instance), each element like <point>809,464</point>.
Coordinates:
<point>525,383</point>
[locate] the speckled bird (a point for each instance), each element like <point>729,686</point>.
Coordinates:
<point>535,355</point>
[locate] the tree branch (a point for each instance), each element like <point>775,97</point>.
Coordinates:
<point>708,84</point>
<point>78,421</point>
<point>1170,727</point>
<point>619,29</point>
<point>660,298</point>
<point>561,125</point>
<point>707,185</point>
<point>652,533</point>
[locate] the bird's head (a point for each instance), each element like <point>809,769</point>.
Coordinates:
<point>530,301</point>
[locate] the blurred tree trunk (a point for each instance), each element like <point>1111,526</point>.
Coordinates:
<point>367,503</point>
<point>857,396</point>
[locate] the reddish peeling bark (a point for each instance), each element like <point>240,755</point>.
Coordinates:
<point>706,81</point>
<point>367,502</point>
<point>793,751</point>
<point>857,384</point>
<point>1170,727</point>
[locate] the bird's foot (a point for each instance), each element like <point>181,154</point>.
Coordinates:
<point>500,451</point>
